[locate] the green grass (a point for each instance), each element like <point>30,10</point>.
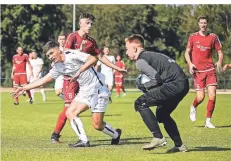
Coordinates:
<point>26,131</point>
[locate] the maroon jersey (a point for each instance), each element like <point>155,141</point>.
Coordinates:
<point>74,41</point>
<point>202,47</point>
<point>20,63</point>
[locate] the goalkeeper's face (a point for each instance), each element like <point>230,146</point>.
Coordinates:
<point>131,50</point>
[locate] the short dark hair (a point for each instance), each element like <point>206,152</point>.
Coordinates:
<point>135,38</point>
<point>204,17</point>
<point>49,45</point>
<point>87,15</point>
<point>62,33</point>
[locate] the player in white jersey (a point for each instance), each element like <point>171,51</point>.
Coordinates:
<point>28,72</point>
<point>37,67</point>
<point>59,80</point>
<point>92,93</point>
<point>107,71</point>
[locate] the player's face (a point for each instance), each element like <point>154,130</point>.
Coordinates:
<point>20,51</point>
<point>34,55</point>
<point>106,51</point>
<point>130,50</point>
<point>118,58</point>
<point>61,40</point>
<point>54,55</point>
<point>203,25</point>
<point>85,25</point>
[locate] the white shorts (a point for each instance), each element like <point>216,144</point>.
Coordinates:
<point>109,79</point>
<point>59,82</point>
<point>96,102</point>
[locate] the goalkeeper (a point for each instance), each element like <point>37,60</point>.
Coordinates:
<point>168,85</point>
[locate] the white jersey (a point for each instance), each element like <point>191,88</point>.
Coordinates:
<point>74,59</point>
<point>36,65</point>
<point>104,68</point>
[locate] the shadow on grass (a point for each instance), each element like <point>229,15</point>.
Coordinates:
<point>210,148</point>
<point>127,139</point>
<point>223,126</point>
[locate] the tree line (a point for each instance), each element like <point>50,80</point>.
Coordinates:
<point>166,28</point>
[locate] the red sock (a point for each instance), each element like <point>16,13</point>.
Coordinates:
<point>195,102</point>
<point>28,93</point>
<point>61,121</point>
<point>117,89</point>
<point>210,108</point>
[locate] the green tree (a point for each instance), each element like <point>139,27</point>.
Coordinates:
<point>29,26</point>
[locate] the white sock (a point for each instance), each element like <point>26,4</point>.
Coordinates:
<point>77,126</point>
<point>43,94</point>
<point>61,96</point>
<point>32,93</point>
<point>208,119</point>
<point>110,131</point>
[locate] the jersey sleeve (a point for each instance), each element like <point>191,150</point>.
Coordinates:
<point>53,73</point>
<point>217,44</point>
<point>27,59</point>
<point>70,41</point>
<point>190,42</point>
<point>143,66</point>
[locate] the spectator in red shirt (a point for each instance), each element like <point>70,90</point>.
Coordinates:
<point>200,46</point>
<point>18,74</point>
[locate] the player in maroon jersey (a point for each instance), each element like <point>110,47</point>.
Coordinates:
<point>200,46</point>
<point>79,40</point>
<point>119,78</point>
<point>18,74</point>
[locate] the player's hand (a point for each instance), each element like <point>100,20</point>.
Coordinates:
<point>12,76</point>
<point>123,71</point>
<point>219,67</point>
<point>17,92</point>
<point>192,68</point>
<point>74,77</point>
<point>224,68</point>
<point>83,44</point>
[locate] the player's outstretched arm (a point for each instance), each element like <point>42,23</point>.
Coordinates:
<point>104,60</point>
<point>32,85</point>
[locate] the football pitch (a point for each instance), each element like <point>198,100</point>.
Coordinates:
<point>26,131</point>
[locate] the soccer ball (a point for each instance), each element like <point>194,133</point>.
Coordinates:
<point>140,80</point>
<point>144,78</point>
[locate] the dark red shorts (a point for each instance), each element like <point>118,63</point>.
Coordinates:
<point>70,89</point>
<point>119,80</point>
<point>20,79</point>
<point>204,79</point>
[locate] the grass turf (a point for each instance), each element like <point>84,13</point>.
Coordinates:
<point>26,130</point>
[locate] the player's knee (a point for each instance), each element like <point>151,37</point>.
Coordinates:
<point>162,118</point>
<point>140,105</point>
<point>98,125</point>
<point>200,98</point>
